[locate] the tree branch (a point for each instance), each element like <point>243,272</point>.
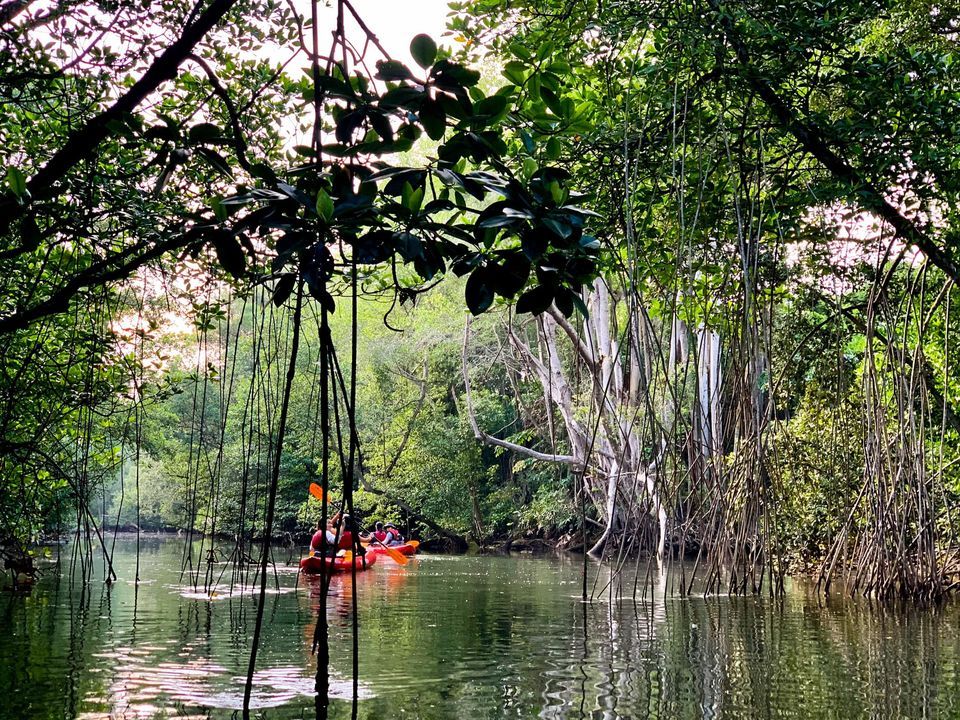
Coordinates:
<point>413,418</point>
<point>812,139</point>
<point>483,437</point>
<point>83,143</point>
<point>97,274</point>
<point>239,143</point>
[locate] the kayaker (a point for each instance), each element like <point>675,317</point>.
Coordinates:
<point>378,534</point>
<point>323,539</point>
<point>393,535</point>
<point>347,529</point>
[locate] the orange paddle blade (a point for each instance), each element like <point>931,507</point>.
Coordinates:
<point>397,557</point>
<point>413,543</point>
<point>317,492</point>
<point>347,556</point>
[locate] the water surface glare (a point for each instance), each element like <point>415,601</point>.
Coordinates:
<point>461,637</point>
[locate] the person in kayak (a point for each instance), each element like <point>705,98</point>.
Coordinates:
<point>394,537</point>
<point>323,539</point>
<point>346,528</point>
<point>378,534</point>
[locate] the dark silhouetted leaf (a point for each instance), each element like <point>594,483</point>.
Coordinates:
<point>283,288</point>
<point>509,278</point>
<point>535,300</point>
<point>423,50</point>
<point>408,245</point>
<point>534,244</point>
<point>563,299</point>
<point>374,247</point>
<point>381,124</point>
<point>403,96</point>
<point>478,293</point>
<point>205,132</point>
<point>392,70</point>
<point>216,161</point>
<point>433,118</point>
<point>229,252</point>
<point>451,75</point>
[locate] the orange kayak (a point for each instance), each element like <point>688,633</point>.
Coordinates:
<point>314,565</point>
<point>405,549</point>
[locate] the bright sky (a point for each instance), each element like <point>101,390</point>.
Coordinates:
<point>395,22</point>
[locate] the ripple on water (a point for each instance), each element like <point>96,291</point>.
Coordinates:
<point>224,591</point>
<point>147,690</point>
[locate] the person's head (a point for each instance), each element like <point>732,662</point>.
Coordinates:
<point>378,526</point>
<point>391,526</point>
<point>348,522</point>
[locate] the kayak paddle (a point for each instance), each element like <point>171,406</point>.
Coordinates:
<point>317,492</point>
<point>397,557</point>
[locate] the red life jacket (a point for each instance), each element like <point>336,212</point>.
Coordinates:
<point>393,536</point>
<point>380,535</point>
<point>346,541</point>
<point>317,541</point>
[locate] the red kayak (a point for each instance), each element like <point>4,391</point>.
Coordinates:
<point>314,565</point>
<point>405,549</point>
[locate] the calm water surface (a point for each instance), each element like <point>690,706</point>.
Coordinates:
<point>464,637</point>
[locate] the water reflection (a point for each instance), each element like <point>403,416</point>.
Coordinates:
<point>464,637</point>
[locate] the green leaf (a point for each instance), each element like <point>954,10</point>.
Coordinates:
<point>17,182</point>
<point>416,200</point>
<point>324,205</point>
<point>553,148</point>
<point>515,72</point>
<point>423,50</point>
<point>553,102</point>
<point>219,209</point>
<point>494,108</point>
<point>557,192</point>
<point>533,87</point>
<point>527,142</point>
<point>411,198</point>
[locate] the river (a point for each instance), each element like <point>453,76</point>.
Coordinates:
<point>463,637</point>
